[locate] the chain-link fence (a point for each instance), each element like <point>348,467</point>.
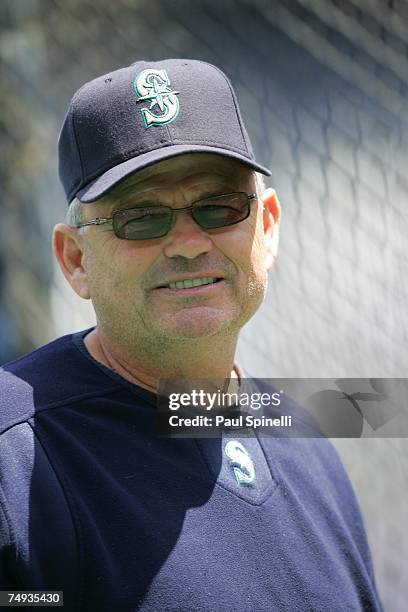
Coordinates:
<point>322,85</point>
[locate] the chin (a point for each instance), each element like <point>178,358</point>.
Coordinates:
<point>196,323</point>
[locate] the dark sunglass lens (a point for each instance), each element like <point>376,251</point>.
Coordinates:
<point>142,223</point>
<point>221,211</point>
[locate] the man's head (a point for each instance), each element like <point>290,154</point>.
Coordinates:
<point>133,283</point>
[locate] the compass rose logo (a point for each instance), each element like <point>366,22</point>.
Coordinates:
<point>154,86</point>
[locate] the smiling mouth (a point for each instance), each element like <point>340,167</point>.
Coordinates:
<point>190,283</point>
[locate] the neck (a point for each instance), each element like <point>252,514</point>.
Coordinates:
<point>206,358</point>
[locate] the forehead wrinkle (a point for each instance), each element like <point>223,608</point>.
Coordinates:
<point>190,193</point>
<point>176,169</point>
<point>227,172</point>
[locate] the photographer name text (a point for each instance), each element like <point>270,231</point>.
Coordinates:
<point>240,421</point>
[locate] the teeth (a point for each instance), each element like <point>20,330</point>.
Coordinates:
<point>195,282</point>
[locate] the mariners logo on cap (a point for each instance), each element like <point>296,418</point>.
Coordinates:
<point>154,85</point>
<point>240,462</point>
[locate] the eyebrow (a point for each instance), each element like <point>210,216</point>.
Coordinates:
<point>155,202</point>
<point>140,204</point>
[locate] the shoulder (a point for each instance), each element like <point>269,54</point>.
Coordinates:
<point>51,373</point>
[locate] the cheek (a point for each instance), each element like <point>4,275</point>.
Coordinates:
<point>245,247</point>
<point>117,268</point>
<point>258,256</point>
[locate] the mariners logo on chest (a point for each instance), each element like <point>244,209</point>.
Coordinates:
<point>241,462</point>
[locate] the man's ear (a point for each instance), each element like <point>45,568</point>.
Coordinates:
<point>67,245</point>
<point>271,219</point>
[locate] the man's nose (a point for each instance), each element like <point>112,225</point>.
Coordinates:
<point>186,238</point>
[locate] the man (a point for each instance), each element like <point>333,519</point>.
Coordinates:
<point>171,235</point>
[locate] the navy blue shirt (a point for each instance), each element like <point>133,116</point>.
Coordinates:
<point>94,503</point>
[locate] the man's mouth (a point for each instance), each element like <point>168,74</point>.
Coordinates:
<point>189,283</point>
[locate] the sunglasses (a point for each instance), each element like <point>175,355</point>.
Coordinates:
<point>153,221</point>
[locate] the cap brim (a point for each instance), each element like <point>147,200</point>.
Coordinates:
<point>106,181</point>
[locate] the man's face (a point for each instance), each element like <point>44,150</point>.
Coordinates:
<point>128,280</point>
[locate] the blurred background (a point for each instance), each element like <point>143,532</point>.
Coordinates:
<point>322,86</point>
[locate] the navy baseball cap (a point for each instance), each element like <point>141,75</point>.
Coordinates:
<point>136,116</point>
